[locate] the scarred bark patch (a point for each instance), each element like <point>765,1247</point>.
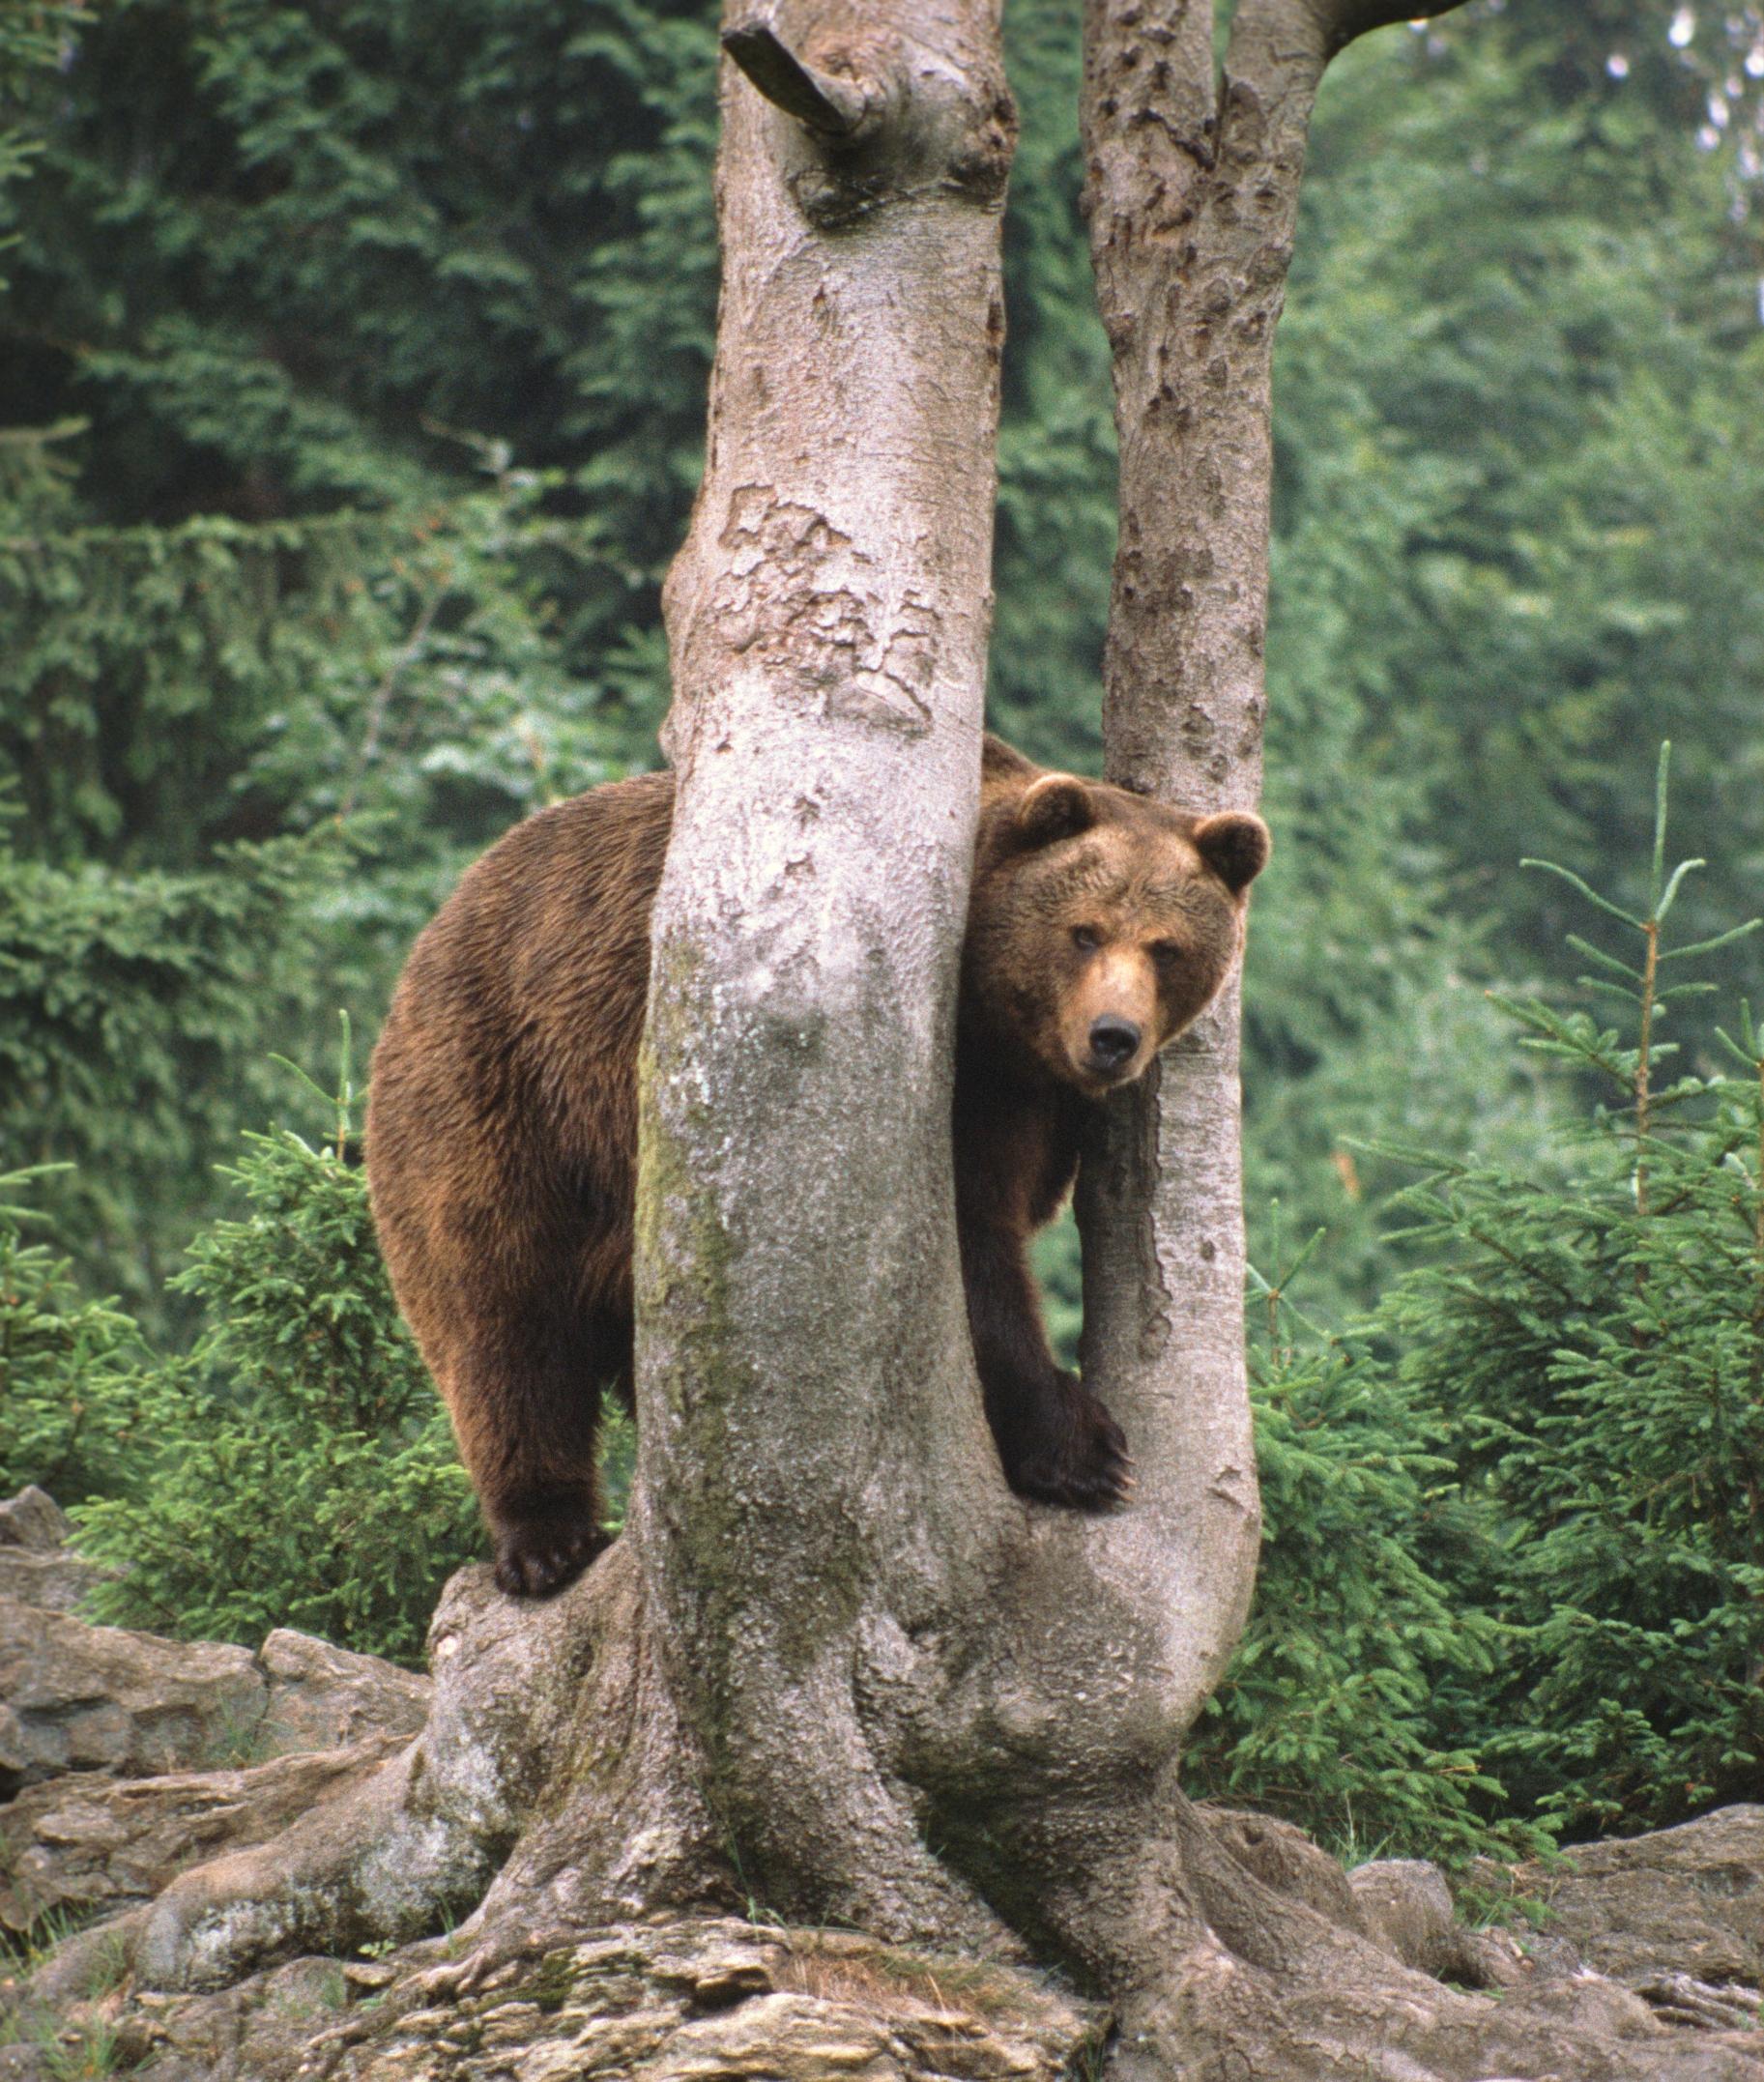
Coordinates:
<point>798,602</point>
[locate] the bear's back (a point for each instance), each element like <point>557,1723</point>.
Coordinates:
<point>510,1047</point>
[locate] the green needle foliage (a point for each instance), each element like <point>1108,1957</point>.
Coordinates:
<point>134,1008</point>
<point>70,1369</point>
<point>1594,1324</point>
<point>1512,1580</point>
<point>296,1469</point>
<point>355,357</point>
<point>1326,1714</point>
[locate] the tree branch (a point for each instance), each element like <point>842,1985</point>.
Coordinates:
<point>1279,51</point>
<point>1344,20</point>
<point>823,101</point>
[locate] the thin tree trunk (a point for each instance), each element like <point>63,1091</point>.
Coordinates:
<point>1192,187</point>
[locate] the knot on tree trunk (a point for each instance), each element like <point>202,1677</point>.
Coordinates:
<point>877,119</point>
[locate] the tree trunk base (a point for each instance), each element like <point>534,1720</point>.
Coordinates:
<point>551,1801</point>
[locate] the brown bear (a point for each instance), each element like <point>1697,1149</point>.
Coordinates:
<point>501,1128</point>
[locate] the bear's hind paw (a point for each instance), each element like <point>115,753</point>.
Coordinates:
<point>538,1556</point>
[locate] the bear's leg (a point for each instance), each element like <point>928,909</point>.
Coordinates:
<point>1055,1439</point>
<point>526,1405</point>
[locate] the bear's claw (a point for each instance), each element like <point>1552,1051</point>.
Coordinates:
<point>537,1557</point>
<point>1081,1459</point>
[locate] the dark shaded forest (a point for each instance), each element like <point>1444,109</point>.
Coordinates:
<point>352,374</point>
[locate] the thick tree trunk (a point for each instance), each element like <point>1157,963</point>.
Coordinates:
<point>813,1499</point>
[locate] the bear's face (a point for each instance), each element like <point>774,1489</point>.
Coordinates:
<point>1104,924</point>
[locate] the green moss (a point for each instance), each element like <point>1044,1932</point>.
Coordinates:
<point>686,1251</point>
<point>685,1247</point>
<point>552,1983</point>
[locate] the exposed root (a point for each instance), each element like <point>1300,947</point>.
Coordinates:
<point>417,1844</point>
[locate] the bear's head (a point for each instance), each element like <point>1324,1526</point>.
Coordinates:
<point>1102,925</point>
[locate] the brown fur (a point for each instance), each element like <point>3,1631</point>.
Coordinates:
<point>501,1133</point>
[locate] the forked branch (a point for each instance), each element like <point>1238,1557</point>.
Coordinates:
<point>1343,20</point>
<point>1278,49</point>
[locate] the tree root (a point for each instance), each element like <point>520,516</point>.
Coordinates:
<point>1223,1946</point>
<point>1285,1982</point>
<point>402,1853</point>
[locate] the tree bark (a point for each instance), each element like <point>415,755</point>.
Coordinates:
<point>812,1497</point>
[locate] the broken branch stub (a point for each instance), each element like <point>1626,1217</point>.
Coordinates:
<point>839,106</point>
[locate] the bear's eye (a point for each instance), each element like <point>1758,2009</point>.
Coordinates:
<point>1087,937</point>
<point>1167,954</point>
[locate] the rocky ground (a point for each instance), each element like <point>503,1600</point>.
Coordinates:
<point>126,1760</point>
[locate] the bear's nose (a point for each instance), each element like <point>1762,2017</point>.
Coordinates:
<point>1112,1041</point>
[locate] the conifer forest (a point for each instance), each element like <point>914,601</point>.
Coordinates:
<point>352,368</point>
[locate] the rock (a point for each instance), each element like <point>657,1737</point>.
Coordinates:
<point>1284,1857</point>
<point>37,1566</point>
<point>250,2033</point>
<point>88,1841</point>
<point>14,1748</point>
<point>711,1999</point>
<point>80,1699</point>
<point>35,1521</point>
<point>1593,2005</point>
<point>1679,1902</point>
<point>1408,1909</point>
<point>77,1698</point>
<point>1402,1905</point>
<point>320,1696</point>
<point>54,1582</point>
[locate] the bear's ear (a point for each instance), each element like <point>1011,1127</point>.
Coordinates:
<point>1058,806</point>
<point>1235,846</point>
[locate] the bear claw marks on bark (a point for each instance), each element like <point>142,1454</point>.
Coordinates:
<point>797,599</point>
<point>878,121</point>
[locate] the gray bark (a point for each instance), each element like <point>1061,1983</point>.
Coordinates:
<point>881,1648</point>
<point>813,1498</point>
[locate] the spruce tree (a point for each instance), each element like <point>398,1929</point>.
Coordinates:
<point>1591,1326</point>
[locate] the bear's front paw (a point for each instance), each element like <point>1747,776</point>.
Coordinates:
<point>1066,1449</point>
<point>543,1546</point>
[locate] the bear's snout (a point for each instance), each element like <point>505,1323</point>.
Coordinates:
<point>1113,1044</point>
